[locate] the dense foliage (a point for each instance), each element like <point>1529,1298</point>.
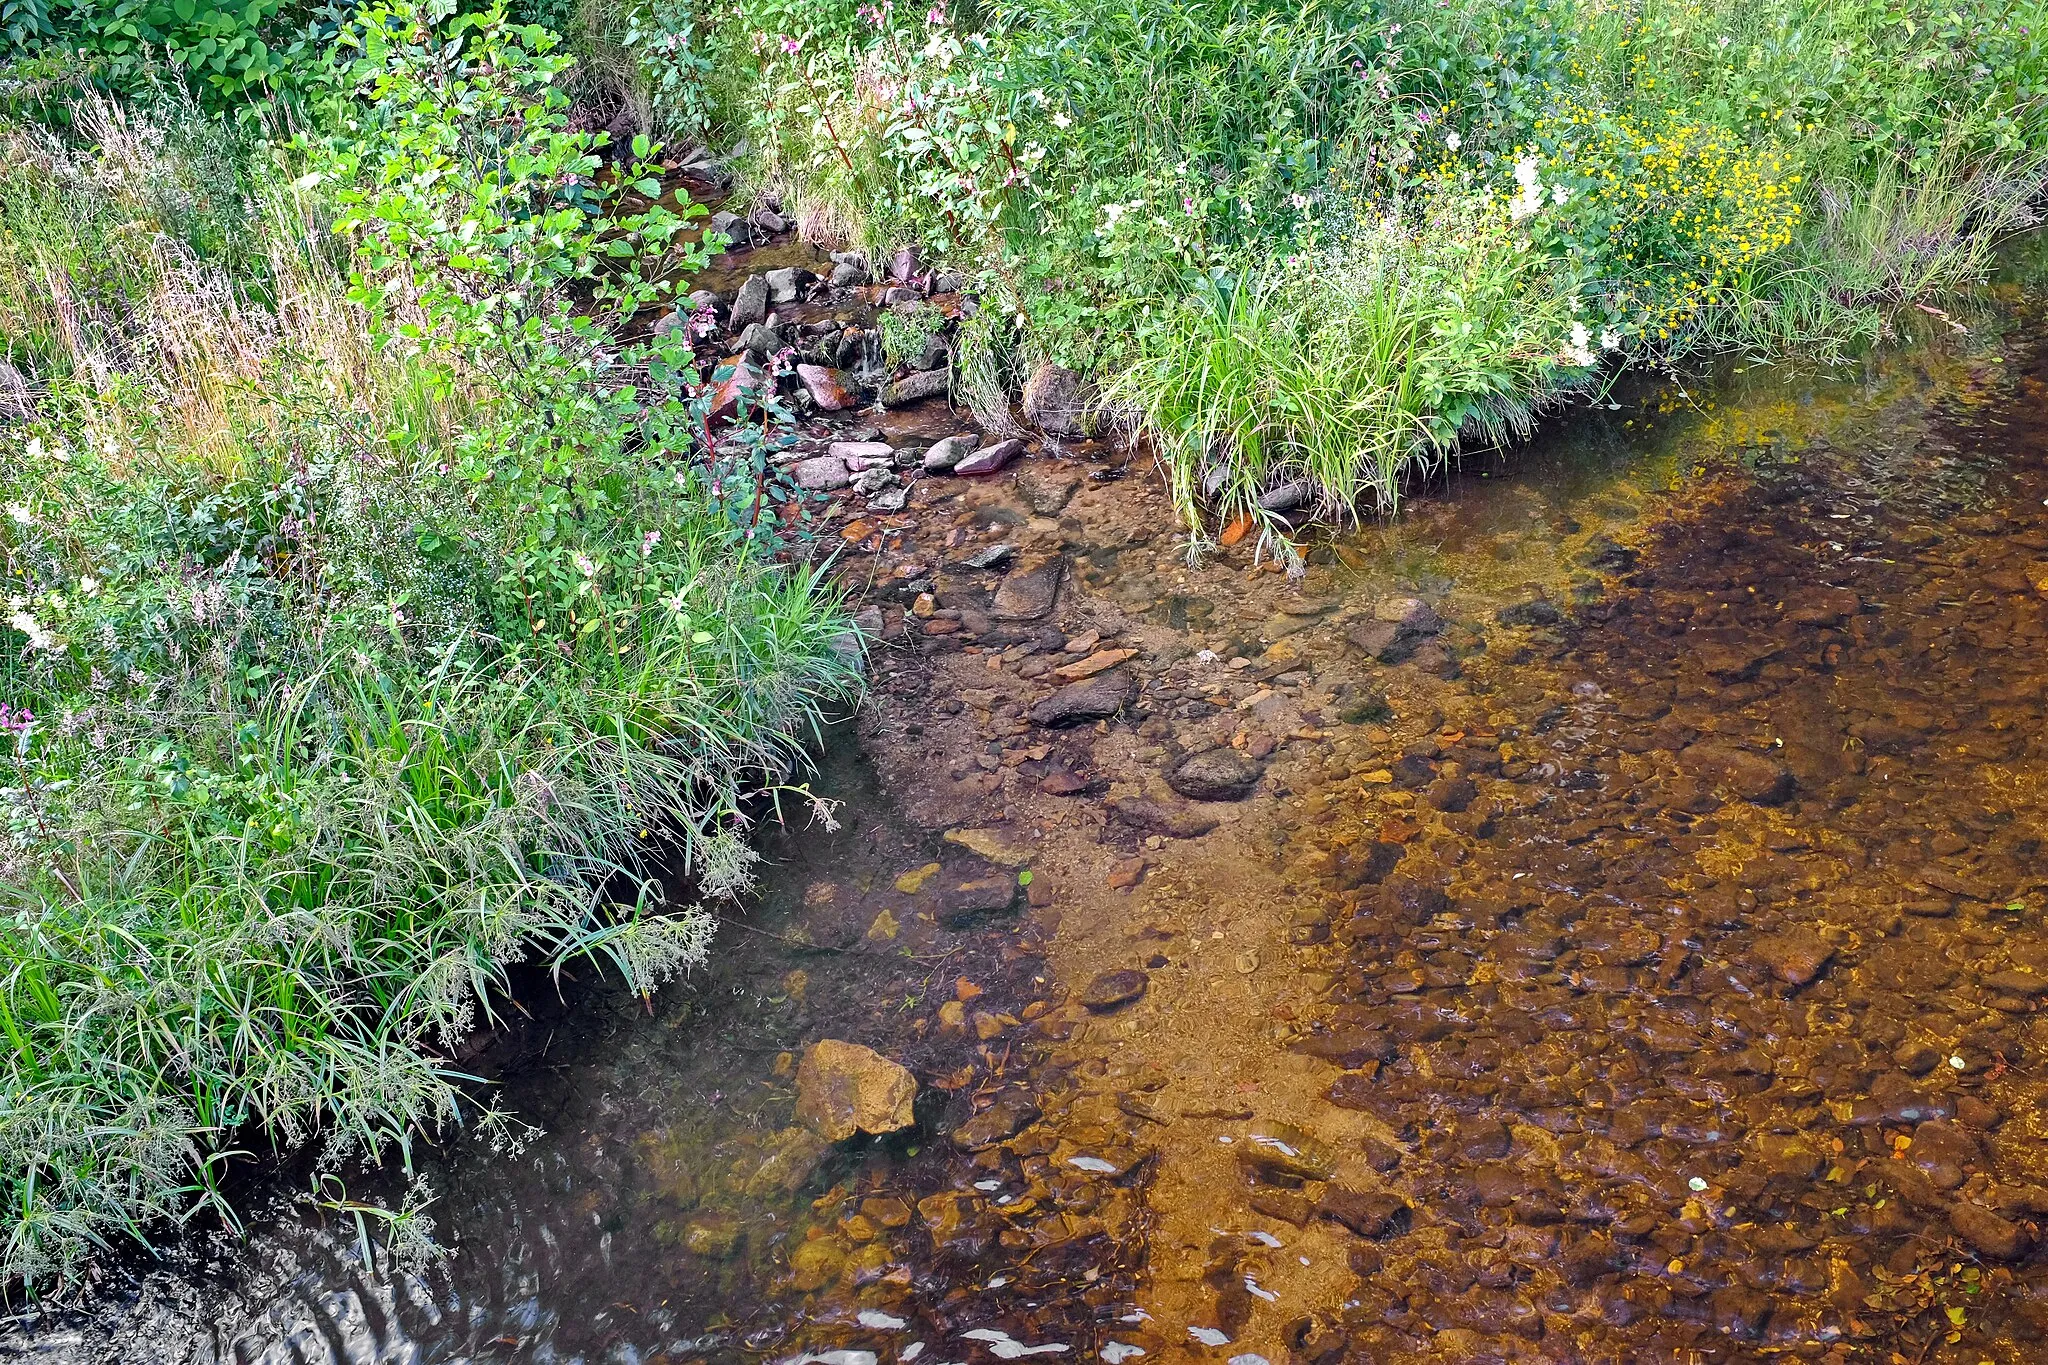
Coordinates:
<point>1156,189</point>
<point>369,617</point>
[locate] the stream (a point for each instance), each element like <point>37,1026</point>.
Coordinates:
<point>1596,916</point>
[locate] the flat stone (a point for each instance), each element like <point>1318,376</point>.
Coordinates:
<point>1095,698</point>
<point>914,388</point>
<point>713,1236</point>
<point>989,459</point>
<point>1219,774</point>
<point>1412,612</point>
<point>1112,989</point>
<point>1100,661</point>
<point>861,454</point>
<point>1795,956</point>
<point>843,1089</point>
<point>1047,488</point>
<point>1365,1213</point>
<point>1175,822</point>
<point>1028,591</point>
<point>1387,642</point>
<point>946,453</point>
<point>965,901</point>
<point>1750,776</point>
<point>1010,1115</point>
<point>1280,1149</point>
<point>1988,1233</point>
<point>1821,606</point>
<point>2026,985</point>
<point>750,306</point>
<point>832,390</point>
<point>821,473</point>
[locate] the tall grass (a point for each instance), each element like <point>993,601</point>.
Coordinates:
<point>297,754</point>
<point>1133,184</point>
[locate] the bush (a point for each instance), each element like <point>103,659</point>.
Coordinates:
<point>370,620</point>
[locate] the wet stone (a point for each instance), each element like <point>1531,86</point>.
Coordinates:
<point>1987,1233</point>
<point>1215,775</point>
<point>821,473</point>
<point>844,1088</point>
<point>1010,1115</point>
<point>944,454</point>
<point>1536,612</point>
<point>1750,776</point>
<point>1796,956</point>
<point>1028,591</point>
<point>1283,1151</point>
<point>1160,817</point>
<point>1369,1214</point>
<point>990,458</point>
<point>714,1236</point>
<point>750,306</point>
<point>1114,989</point>
<point>1091,699</point>
<point>1047,488</point>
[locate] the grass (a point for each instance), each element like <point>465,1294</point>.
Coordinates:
<point>1168,193</point>
<point>340,668</point>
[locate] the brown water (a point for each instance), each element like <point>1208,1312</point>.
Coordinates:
<point>1656,979</point>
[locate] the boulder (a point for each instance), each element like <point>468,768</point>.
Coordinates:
<point>1058,402</point>
<point>785,284</point>
<point>1028,591</point>
<point>913,388</point>
<point>832,390</point>
<point>751,305</point>
<point>844,1088</point>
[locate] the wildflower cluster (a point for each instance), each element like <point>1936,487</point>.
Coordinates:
<point>1667,214</point>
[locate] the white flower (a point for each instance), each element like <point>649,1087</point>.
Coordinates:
<point>1060,120</point>
<point>1579,349</point>
<point>38,638</point>
<point>1610,339</point>
<point>89,585</point>
<point>20,512</point>
<point>1559,193</point>
<point>1525,172</point>
<point>1529,197</point>
<point>1453,141</point>
<point>585,565</point>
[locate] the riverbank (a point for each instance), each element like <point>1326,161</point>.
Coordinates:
<point>1513,1008</point>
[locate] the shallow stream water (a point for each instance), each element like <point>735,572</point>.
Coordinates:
<point>1637,956</point>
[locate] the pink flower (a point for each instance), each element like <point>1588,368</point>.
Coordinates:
<point>935,15</point>
<point>790,45</point>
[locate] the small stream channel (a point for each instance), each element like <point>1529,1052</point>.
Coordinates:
<point>1646,964</point>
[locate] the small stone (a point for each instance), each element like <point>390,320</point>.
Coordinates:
<point>1287,1152</point>
<point>1219,774</point>
<point>913,881</point>
<point>989,459</point>
<point>1060,782</point>
<point>1916,1059</point>
<point>843,1089</point>
<point>874,479</point>
<point>2025,985</point>
<point>847,274</point>
<point>830,389</point>
<point>821,473</point>
<point>903,265</point>
<point>1796,956</point>
<point>768,220</point>
<point>1126,873</point>
<point>786,283</point>
<point>1536,612</point>
<point>1821,606</point>
<point>1365,1213</point>
<point>945,454</point>
<point>976,898</point>
<point>892,499</point>
<point>743,380</point>
<point>1112,989</point>
<point>1084,643</point>
<point>989,556</point>
<point>750,306</point>
<point>815,1264</point>
<point>1750,776</point>
<point>1047,489</point>
<point>1091,699</point>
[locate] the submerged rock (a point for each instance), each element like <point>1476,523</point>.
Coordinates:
<point>844,1088</point>
<point>1091,699</point>
<point>1112,989</point>
<point>1216,775</point>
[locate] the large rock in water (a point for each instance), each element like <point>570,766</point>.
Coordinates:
<point>1216,775</point>
<point>1094,698</point>
<point>844,1088</point>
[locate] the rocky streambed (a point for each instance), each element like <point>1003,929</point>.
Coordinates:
<point>1596,917</point>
